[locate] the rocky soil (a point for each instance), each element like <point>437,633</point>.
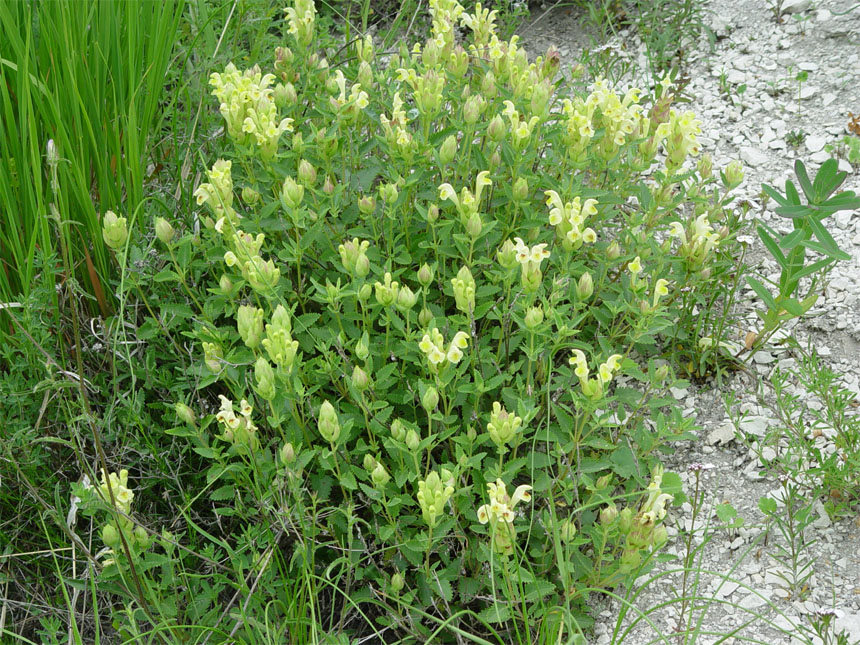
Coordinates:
<point>741,583</point>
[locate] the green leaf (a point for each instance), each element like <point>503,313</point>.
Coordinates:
<point>767,505</point>
<point>803,179</point>
<point>223,493</point>
<point>790,241</point>
<point>827,242</point>
<point>166,276</point>
<point>771,192</point>
<point>762,293</point>
<point>624,461</point>
<point>828,179</point>
<point>772,246</point>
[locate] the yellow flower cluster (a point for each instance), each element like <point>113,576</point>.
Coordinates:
<point>679,136</point>
<point>397,136</point>
<point>122,494</point>
<point>530,260</point>
<point>348,107</point>
<point>426,88</point>
<point>593,387</point>
<point>217,194</point>
<point>642,530</point>
<point>279,343</point>
<point>261,274</point>
<point>701,241</point>
<point>301,18</point>
<point>620,119</point>
<point>433,346</point>
<point>238,430</point>
<point>521,129</point>
<point>467,203</point>
<point>500,513</point>
<point>433,494</point>
<point>569,220</point>
<point>482,23</point>
<point>249,109</point>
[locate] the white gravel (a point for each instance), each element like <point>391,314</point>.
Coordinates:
<point>756,126</point>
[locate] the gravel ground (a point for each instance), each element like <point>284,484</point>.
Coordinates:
<point>752,49</point>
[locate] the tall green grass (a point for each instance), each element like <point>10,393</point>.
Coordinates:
<point>90,75</point>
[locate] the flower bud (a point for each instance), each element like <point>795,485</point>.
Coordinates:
<point>534,317</point>
<point>292,194</point>
<point>212,357</point>
<point>706,166</point>
<point>733,175</point>
<point>430,399</point>
<point>369,462</point>
<point>520,190</point>
<point>496,130</point>
<point>661,373</point>
<point>307,174</point>
<point>284,95</point>
<point>471,433</point>
<point>412,440</point>
<point>406,299</point>
<point>328,424</point>
<point>110,536</point>
<point>425,317</point>
<point>362,349</point>
<point>473,108</point>
<point>608,515</point>
<point>396,583</point>
<point>507,255</point>
<point>360,379</point>
<point>114,231</point>
<point>287,454</point>
<point>584,286</point>
<point>432,213</point>
<point>362,265</point>
<point>249,322</point>
<point>568,529</point>
<point>365,292</point>
<point>659,537</point>
<point>630,559</point>
<point>264,376</point>
<point>614,251</point>
<point>367,204</point>
<point>488,86</point>
<point>448,150</point>
<point>163,230</point>
<point>425,275</point>
<point>495,160</point>
<point>250,196</point>
<point>225,285</point>
<point>379,476</point>
<point>365,75</point>
<point>297,144</point>
<point>388,193</point>
<point>625,520</point>
<point>474,226</point>
<point>328,185</point>
<point>398,430</point>
<point>185,413</point>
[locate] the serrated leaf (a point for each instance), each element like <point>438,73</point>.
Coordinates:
<point>495,613</point>
<point>624,461</point>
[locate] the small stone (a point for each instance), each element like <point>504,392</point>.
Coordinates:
<point>768,454</point>
<point>755,425</point>
<point>843,218</point>
<point>763,358</point>
<point>844,165</point>
<point>722,435</point>
<point>678,393</point>
<point>795,6</point>
<point>777,144</point>
<point>753,156</point>
<point>728,588</point>
<point>807,93</point>
<point>815,143</point>
<point>752,601</point>
<point>819,157</point>
<point>849,623</point>
<point>828,98</point>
